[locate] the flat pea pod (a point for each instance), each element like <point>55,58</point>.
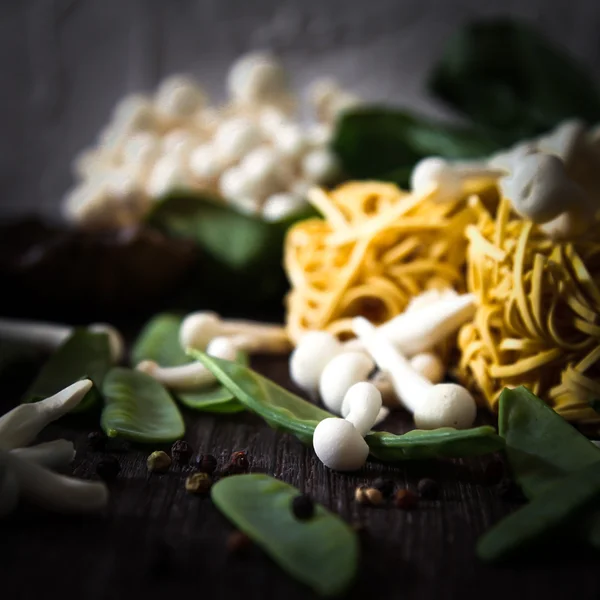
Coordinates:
<point>83,355</point>
<point>159,341</point>
<point>139,408</point>
<point>549,512</point>
<point>285,411</point>
<point>321,552</point>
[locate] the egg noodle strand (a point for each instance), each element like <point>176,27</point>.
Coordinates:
<point>536,321</point>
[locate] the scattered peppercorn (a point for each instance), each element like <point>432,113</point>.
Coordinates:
<point>240,460</point>
<point>198,483</point>
<point>181,452</point>
<point>96,441</point>
<point>108,468</point>
<point>493,471</point>
<point>367,495</point>
<point>158,461</point>
<point>206,463</point>
<point>238,541</point>
<point>428,489</point>
<point>303,507</point>
<point>405,499</point>
<point>385,486</point>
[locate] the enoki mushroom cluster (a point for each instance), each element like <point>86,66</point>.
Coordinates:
<point>376,248</point>
<point>537,318</point>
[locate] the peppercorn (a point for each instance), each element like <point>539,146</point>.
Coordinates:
<point>385,486</point>
<point>158,461</point>
<point>240,460</point>
<point>428,489</point>
<point>181,452</point>
<point>206,463</point>
<point>238,541</point>
<point>367,495</point>
<point>405,499</point>
<point>108,468</point>
<point>96,441</point>
<point>493,472</point>
<point>198,483</point>
<point>303,507</point>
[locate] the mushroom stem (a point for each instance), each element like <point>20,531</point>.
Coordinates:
<point>20,426</point>
<point>52,455</point>
<point>361,406</point>
<point>433,406</point>
<point>49,336</point>
<point>57,492</point>
<point>198,329</point>
<point>193,376</point>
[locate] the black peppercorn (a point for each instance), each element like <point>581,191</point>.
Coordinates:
<point>181,452</point>
<point>96,441</point>
<point>405,499</point>
<point>206,463</point>
<point>108,468</point>
<point>385,486</point>
<point>303,507</point>
<point>428,489</point>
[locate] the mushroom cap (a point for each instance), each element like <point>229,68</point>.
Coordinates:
<point>446,405</point>
<point>539,188</point>
<point>314,350</point>
<point>339,446</point>
<point>436,170</point>
<point>429,365</point>
<point>147,366</point>
<point>222,347</point>
<point>340,374</point>
<point>198,329</point>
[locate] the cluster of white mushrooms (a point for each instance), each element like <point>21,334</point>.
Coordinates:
<point>28,472</point>
<point>252,152</point>
<point>553,180</point>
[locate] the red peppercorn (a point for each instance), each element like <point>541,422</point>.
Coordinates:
<point>405,499</point>
<point>206,463</point>
<point>238,541</point>
<point>181,452</point>
<point>240,460</point>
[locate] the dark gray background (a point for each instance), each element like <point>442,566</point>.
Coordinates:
<point>64,63</point>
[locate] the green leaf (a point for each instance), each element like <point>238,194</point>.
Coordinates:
<point>139,408</point>
<point>287,412</point>
<point>553,510</point>
<point>506,76</point>
<point>322,552</point>
<point>240,251</point>
<point>385,143</point>
<point>82,355</point>
<point>541,447</point>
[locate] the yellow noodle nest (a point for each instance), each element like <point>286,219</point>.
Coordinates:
<point>537,317</point>
<point>376,248</point>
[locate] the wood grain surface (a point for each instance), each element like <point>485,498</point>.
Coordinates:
<point>156,541</point>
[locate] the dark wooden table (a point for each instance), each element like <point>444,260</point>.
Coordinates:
<point>156,541</point>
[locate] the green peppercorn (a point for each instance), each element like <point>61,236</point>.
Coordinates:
<point>368,495</point>
<point>158,462</point>
<point>181,452</point>
<point>198,483</point>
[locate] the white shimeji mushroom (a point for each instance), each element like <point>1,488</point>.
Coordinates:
<point>141,148</point>
<point>179,96</point>
<point>235,138</point>
<point>178,143</point>
<point>204,162</point>
<point>49,336</point>
<point>271,120</point>
<point>24,472</point>
<point>168,174</point>
<point>433,405</point>
<point>193,376</point>
<point>448,177</point>
<point>280,206</point>
<point>261,169</point>
<point>339,443</point>
<point>320,166</point>
<point>198,329</point>
<point>257,78</point>
<point>291,141</point>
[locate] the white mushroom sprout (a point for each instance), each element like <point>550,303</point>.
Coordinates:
<point>25,471</point>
